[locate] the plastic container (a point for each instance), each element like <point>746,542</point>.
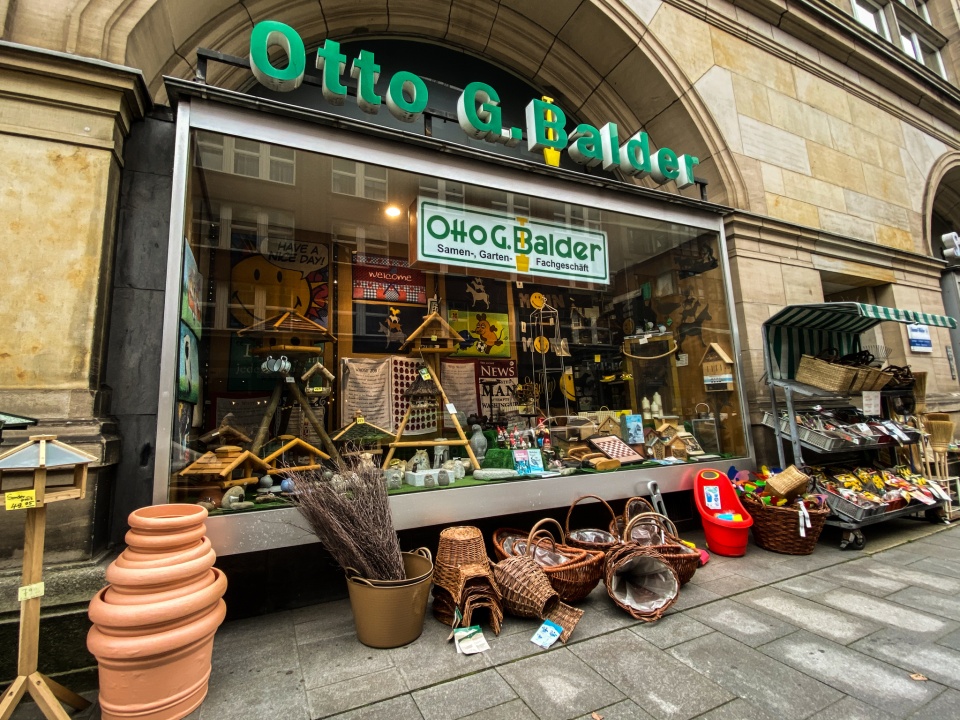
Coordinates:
<point>388,614</point>
<point>724,537</point>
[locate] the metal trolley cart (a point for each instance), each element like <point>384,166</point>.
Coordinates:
<point>799,330</point>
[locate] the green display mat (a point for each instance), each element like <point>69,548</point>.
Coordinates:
<point>468,481</point>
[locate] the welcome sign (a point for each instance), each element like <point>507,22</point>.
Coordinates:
<point>476,239</point>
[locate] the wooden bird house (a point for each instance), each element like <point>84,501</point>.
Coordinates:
<point>288,332</point>
<point>225,467</point>
<point>435,335</point>
<point>303,455</point>
<point>717,369</point>
<point>42,471</point>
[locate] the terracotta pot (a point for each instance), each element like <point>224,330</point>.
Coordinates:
<point>153,626</point>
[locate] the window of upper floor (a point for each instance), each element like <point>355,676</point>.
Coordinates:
<point>906,24</point>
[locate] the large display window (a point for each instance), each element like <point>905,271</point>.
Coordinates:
<point>496,340</point>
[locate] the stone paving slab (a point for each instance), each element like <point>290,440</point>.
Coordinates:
<point>741,623</point>
<point>354,692</point>
<point>851,709</point>
<point>946,539</point>
<point>663,686</point>
<point>433,659</point>
<point>463,697</point>
<point>333,660</point>
<point>737,710</point>
<point>887,612</point>
<point>942,566</point>
<point>946,705</point>
<point>929,601</point>
<point>859,577</point>
<point>924,577</point>
<point>513,710</point>
<point>805,585</point>
<point>623,710</point>
<point>671,630</point>
<point>732,584</point>
<point>913,653</point>
<point>876,683</point>
<point>558,685</point>
<point>393,709</point>
<point>826,622</point>
<point>770,686</point>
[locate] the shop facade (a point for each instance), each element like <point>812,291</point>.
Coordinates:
<point>827,161</point>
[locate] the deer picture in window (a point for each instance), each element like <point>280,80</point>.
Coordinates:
<point>478,293</point>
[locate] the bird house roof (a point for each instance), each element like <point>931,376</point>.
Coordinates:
<point>433,324</point>
<point>289,322</point>
<point>43,451</point>
<point>296,443</point>
<point>223,461</point>
<point>715,348</point>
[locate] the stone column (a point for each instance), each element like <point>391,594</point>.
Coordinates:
<point>63,122</point>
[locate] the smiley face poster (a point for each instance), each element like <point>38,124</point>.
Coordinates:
<point>272,275</point>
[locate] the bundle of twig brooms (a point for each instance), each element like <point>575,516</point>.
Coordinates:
<point>350,513</point>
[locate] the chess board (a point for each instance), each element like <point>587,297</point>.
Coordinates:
<point>614,447</point>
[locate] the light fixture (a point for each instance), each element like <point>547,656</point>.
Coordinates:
<point>392,211</point>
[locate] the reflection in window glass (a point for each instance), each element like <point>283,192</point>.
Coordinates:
<point>298,302</point>
<point>870,16</point>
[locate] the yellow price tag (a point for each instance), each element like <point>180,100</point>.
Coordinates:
<point>20,499</point>
<point>361,421</point>
<point>28,592</point>
<point>596,358</point>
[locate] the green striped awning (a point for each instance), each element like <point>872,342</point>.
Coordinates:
<point>807,329</point>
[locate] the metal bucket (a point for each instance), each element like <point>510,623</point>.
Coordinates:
<point>389,613</point>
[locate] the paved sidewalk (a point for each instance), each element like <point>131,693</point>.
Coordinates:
<point>832,636</point>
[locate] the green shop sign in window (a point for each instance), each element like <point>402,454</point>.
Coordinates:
<point>478,108</point>
<point>478,239</point>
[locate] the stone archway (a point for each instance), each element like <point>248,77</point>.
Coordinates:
<point>941,201</point>
<point>597,58</point>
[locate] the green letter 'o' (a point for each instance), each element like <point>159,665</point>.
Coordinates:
<point>397,103</point>
<point>266,35</point>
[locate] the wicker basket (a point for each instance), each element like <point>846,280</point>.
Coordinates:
<point>778,528</point>
<point>461,545</point>
<point>591,538</point>
<point>682,559</point>
<point>825,375</point>
<point>567,617</point>
<point>634,506</point>
<point>789,483</point>
<point>526,590</point>
<point>573,579</point>
<point>640,582</point>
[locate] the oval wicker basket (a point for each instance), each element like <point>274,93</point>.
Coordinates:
<point>681,558</point>
<point>640,582</point>
<point>525,588</point>
<point>574,579</point>
<point>633,506</point>
<point>591,538</point>
<point>778,528</point>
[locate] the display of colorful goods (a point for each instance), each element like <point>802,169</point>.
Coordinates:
<point>858,493</point>
<point>832,429</point>
<point>789,525</point>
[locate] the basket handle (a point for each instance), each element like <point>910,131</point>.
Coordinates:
<point>583,497</point>
<point>538,538</point>
<point>638,500</point>
<point>661,520</point>
<point>657,518</point>
<point>536,528</point>
<point>424,553</point>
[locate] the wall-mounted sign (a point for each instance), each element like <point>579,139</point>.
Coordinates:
<point>480,239</point>
<point>919,337</point>
<point>478,108</point>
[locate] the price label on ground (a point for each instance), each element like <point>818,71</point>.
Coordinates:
<point>20,499</point>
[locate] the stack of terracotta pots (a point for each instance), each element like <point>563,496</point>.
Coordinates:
<point>153,626</point>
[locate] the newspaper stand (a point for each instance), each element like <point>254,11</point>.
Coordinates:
<point>26,485</point>
<point>800,330</point>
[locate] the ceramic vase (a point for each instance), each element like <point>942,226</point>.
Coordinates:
<point>153,626</point>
